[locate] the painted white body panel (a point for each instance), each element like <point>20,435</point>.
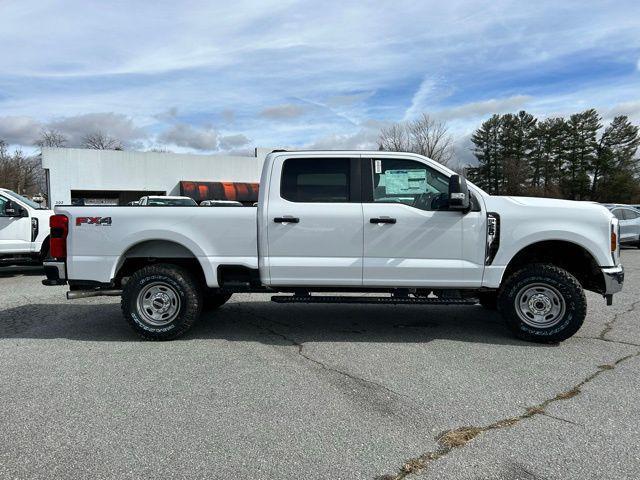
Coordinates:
<point>15,232</point>
<point>334,244</point>
<point>324,247</point>
<point>215,236</point>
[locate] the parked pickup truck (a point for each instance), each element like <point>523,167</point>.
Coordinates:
<point>24,229</point>
<point>397,225</point>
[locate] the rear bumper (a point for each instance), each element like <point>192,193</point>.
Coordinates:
<point>613,279</point>
<point>56,273</point>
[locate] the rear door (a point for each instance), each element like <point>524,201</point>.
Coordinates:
<point>15,232</point>
<point>410,237</point>
<point>314,222</point>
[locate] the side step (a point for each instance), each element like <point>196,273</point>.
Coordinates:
<point>376,300</point>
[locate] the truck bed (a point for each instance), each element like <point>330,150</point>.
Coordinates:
<point>98,236</point>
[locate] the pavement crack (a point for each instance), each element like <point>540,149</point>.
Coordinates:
<point>560,419</point>
<point>301,352</point>
<point>621,342</point>
<point>458,437</point>
<point>608,326</point>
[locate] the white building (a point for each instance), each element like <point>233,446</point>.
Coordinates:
<point>81,176</point>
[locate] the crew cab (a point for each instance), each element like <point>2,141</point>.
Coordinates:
<point>24,229</point>
<point>397,225</point>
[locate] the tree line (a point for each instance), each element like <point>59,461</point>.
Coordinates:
<point>24,174</point>
<point>574,158</point>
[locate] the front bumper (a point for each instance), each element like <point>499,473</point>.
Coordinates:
<point>613,279</point>
<point>56,273</point>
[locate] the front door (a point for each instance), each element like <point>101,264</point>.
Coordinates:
<point>15,232</point>
<point>411,239</point>
<point>314,222</point>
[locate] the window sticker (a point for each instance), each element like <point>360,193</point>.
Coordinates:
<point>378,166</point>
<point>399,182</point>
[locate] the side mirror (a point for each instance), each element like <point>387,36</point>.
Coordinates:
<point>458,193</point>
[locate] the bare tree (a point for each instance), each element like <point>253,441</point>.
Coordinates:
<point>19,172</point>
<point>424,136</point>
<point>395,138</point>
<point>101,141</point>
<point>51,138</point>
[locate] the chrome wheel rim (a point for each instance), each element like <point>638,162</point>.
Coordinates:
<point>158,304</point>
<point>540,305</point>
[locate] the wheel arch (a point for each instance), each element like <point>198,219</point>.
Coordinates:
<point>570,256</point>
<point>44,248</point>
<point>154,251</point>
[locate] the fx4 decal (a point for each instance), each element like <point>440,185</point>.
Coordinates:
<point>99,221</point>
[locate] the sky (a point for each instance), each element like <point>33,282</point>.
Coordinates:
<point>213,76</point>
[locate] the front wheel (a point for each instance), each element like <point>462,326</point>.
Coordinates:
<point>543,303</point>
<point>161,302</point>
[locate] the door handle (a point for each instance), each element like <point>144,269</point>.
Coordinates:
<point>382,220</point>
<point>286,220</point>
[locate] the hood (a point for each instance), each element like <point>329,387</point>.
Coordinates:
<point>554,203</point>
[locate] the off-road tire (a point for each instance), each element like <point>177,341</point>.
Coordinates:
<point>181,282</point>
<point>575,308</point>
<point>211,301</point>
<point>488,300</point>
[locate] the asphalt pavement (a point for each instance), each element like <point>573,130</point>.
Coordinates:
<point>260,390</point>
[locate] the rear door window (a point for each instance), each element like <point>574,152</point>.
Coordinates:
<point>316,180</point>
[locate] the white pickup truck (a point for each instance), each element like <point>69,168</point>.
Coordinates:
<point>397,226</point>
<point>24,229</point>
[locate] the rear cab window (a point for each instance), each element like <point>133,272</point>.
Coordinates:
<point>316,180</point>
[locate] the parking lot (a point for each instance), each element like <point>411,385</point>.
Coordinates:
<point>262,391</point>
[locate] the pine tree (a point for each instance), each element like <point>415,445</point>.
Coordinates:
<point>615,176</point>
<point>582,154</point>
<point>517,143</point>
<point>547,160</point>
<point>489,173</point>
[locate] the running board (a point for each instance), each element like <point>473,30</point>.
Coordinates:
<point>376,300</point>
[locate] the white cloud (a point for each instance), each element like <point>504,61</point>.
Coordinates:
<point>283,112</point>
<point>119,126</point>
<point>483,108</point>
<point>184,135</point>
<point>365,137</point>
<point>231,142</point>
<point>421,98</point>
<point>22,130</point>
<point>348,100</point>
<point>444,58</point>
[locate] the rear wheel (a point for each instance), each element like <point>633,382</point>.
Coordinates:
<point>161,302</point>
<point>543,303</point>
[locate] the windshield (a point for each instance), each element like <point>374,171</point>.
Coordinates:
<point>31,203</point>
<point>172,202</point>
